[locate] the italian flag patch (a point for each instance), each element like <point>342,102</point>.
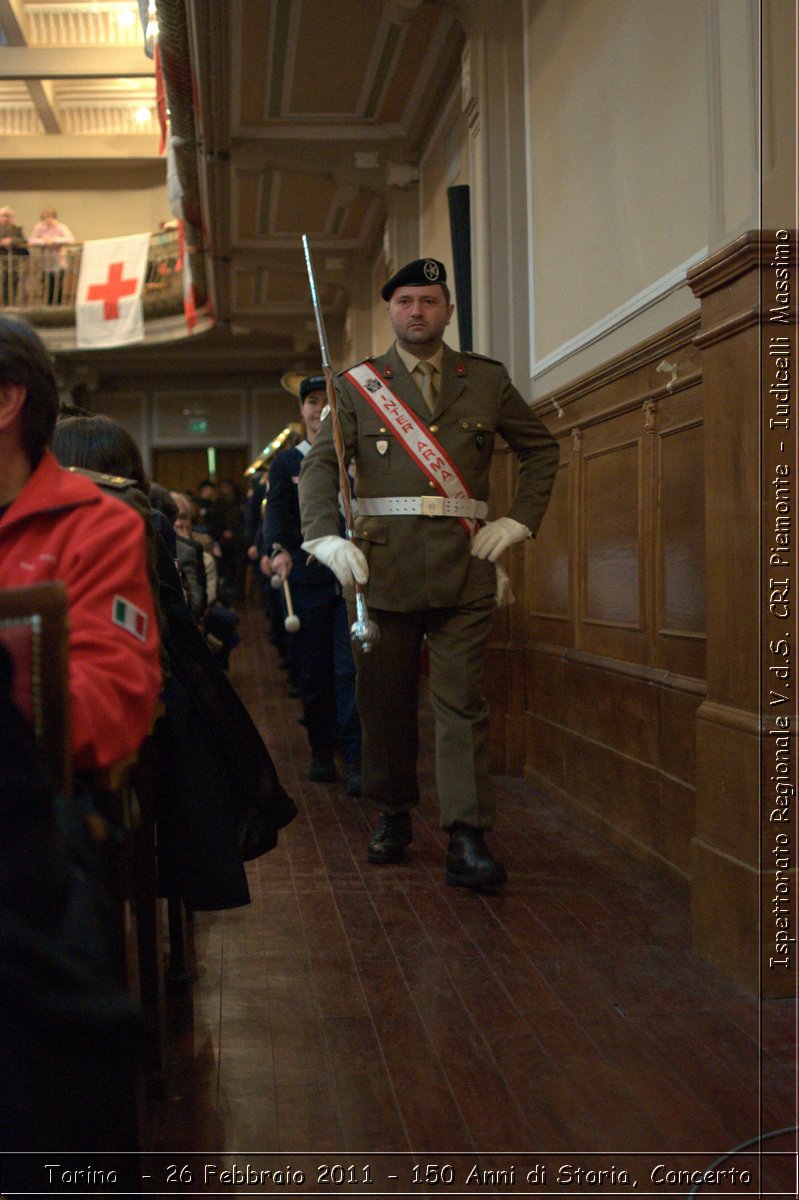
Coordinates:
<point>129,617</point>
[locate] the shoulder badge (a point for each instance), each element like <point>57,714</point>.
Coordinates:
<point>483,357</point>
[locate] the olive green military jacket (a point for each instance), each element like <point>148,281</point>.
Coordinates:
<point>419,562</point>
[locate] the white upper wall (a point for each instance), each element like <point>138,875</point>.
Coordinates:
<point>91,212</point>
<point>619,137</point>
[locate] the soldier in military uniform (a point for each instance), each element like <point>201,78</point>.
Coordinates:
<point>420,422</point>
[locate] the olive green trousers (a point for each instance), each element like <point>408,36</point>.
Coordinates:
<point>388,679</point>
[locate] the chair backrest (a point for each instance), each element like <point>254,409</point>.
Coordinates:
<point>34,630</point>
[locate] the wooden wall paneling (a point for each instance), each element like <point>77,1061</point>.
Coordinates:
<point>680,699</point>
<point>514,719</point>
<point>731,893</point>
<point>516,560</point>
<point>575,479</point>
<point>622,795</point>
<point>672,828</point>
<point>679,550</point>
<point>649,520</point>
<point>617,708</point>
<point>499,704</point>
<point>504,687</point>
<point>608,727</point>
<point>732,506</point>
<point>549,563</point>
<point>610,559</point>
<point>728,782</point>
<point>623,383</point>
<point>545,714</point>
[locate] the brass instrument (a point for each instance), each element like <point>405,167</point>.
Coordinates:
<point>282,441</point>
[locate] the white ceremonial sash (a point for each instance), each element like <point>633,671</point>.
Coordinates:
<point>414,437</point>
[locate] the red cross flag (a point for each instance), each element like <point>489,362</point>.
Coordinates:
<point>108,310</point>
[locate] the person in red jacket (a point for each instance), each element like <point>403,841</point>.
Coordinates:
<point>56,525</point>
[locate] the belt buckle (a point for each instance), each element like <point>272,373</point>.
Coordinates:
<point>432,506</point>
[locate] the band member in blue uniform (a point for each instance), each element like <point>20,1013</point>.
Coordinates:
<point>325,668</point>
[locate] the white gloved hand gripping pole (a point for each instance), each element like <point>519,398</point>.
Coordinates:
<point>364,631</point>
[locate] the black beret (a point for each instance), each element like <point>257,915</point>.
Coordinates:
<point>415,274</point>
<point>314,383</point>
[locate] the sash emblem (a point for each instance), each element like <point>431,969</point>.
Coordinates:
<point>416,439</point>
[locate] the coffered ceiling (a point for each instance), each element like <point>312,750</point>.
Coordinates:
<point>306,114</point>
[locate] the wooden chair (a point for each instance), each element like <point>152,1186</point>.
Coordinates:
<point>33,629</point>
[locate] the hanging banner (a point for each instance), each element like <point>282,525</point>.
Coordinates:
<point>160,100</point>
<point>108,307</point>
<point>183,264</point>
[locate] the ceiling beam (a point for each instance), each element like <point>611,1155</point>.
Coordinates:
<point>79,148</point>
<point>13,21</point>
<point>108,63</point>
<point>41,94</point>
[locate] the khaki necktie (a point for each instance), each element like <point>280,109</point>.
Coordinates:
<point>423,374</point>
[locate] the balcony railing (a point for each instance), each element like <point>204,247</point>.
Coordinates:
<point>40,281</point>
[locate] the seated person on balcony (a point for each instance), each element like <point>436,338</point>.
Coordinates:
<point>56,525</point>
<point>12,246</point>
<point>51,232</point>
<point>164,254</point>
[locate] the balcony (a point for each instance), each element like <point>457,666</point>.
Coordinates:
<point>40,283</point>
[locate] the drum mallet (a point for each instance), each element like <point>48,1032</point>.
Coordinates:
<point>292,621</point>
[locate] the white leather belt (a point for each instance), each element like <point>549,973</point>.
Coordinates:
<point>421,506</point>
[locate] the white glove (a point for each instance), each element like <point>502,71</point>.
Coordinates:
<point>496,536</point>
<point>504,593</point>
<point>346,561</point>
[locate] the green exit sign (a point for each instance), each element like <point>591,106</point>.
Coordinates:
<point>198,426</point>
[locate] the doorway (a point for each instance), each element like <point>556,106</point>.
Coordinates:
<point>182,470</point>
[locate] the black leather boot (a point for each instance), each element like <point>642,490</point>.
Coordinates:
<point>469,861</point>
<point>393,835</point>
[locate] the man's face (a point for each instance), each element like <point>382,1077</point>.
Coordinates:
<point>419,316</point>
<point>6,216</point>
<point>311,409</point>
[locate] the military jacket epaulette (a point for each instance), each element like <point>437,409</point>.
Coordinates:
<point>114,482</point>
<point>369,358</point>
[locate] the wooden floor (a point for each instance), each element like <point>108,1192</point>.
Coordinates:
<point>374,1018</point>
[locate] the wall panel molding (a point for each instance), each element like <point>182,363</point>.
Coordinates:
<point>645,299</point>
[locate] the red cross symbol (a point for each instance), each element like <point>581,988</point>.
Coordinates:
<point>112,291</point>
